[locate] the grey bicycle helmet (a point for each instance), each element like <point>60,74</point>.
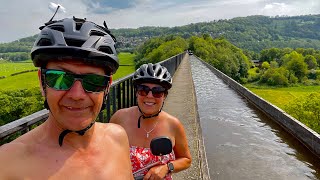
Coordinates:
<point>77,39</point>
<point>153,73</point>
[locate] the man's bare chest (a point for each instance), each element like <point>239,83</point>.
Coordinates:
<point>72,166</point>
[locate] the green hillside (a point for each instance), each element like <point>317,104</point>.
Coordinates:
<point>252,33</point>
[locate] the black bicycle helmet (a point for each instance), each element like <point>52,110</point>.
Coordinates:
<point>77,39</point>
<point>153,73</point>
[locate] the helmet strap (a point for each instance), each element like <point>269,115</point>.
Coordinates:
<point>105,97</point>
<point>67,131</point>
<point>146,117</point>
<point>104,103</point>
<point>45,103</point>
<point>81,132</point>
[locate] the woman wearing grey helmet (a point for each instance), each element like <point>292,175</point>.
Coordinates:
<point>147,121</point>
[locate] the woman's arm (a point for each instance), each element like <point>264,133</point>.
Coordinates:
<point>181,149</point>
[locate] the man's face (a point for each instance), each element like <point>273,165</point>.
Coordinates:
<point>75,108</point>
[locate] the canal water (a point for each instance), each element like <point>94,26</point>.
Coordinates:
<point>240,141</point>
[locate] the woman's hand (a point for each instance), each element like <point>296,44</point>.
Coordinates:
<point>157,173</point>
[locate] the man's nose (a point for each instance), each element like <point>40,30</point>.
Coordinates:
<point>77,91</point>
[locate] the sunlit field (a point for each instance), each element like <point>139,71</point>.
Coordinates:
<point>283,96</point>
<point>6,69</point>
<point>30,79</point>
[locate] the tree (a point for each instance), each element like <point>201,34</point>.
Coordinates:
<point>311,61</point>
<point>19,103</point>
<point>275,77</point>
<point>158,49</point>
<point>265,65</point>
<point>307,110</point>
<point>274,64</point>
<point>272,54</point>
<point>294,62</point>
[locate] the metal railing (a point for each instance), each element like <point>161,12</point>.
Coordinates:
<point>121,95</point>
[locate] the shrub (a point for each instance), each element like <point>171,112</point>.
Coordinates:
<point>306,110</point>
<point>19,103</point>
<point>253,74</point>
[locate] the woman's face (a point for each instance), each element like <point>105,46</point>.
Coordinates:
<point>150,97</point>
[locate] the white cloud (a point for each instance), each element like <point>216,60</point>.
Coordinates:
<point>22,18</point>
<point>276,8</point>
<point>292,8</point>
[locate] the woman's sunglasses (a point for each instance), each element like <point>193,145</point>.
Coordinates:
<point>61,80</point>
<point>157,92</point>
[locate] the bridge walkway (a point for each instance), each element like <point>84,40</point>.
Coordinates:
<point>181,103</point>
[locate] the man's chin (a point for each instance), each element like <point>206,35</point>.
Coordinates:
<point>79,123</point>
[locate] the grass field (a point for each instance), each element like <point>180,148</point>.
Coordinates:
<point>6,69</point>
<point>282,96</point>
<point>30,79</point>
<point>126,65</point>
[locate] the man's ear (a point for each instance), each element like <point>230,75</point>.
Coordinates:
<point>40,82</point>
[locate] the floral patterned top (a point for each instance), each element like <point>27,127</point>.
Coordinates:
<point>142,157</point>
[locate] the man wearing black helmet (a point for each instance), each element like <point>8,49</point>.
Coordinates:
<point>76,60</point>
<point>147,121</point>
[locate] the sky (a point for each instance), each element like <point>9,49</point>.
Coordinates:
<point>19,19</point>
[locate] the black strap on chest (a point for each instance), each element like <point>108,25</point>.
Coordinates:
<point>80,132</point>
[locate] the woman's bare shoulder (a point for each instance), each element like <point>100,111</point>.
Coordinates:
<point>126,110</point>
<point>122,114</point>
<point>172,119</point>
<point>111,130</point>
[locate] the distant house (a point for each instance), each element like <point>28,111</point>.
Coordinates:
<point>256,62</point>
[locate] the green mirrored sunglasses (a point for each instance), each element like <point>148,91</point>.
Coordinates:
<point>61,80</point>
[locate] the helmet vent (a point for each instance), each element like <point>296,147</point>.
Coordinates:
<point>44,42</point>
<point>159,73</point>
<point>57,28</point>
<point>164,76</point>
<point>78,26</point>
<point>149,72</point>
<point>74,42</point>
<point>105,49</point>
<point>97,33</point>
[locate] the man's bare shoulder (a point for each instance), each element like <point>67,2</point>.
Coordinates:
<point>113,131</point>
<point>11,155</point>
<point>111,128</point>
<point>12,147</point>
<point>19,145</point>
